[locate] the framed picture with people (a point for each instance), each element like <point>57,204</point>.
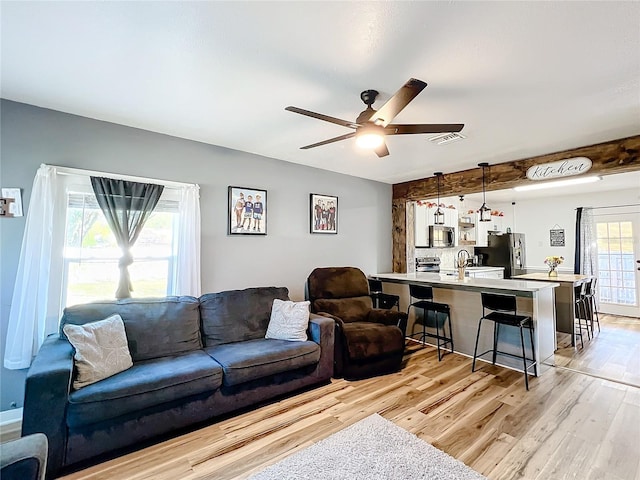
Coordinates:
<point>247,211</point>
<point>323,213</point>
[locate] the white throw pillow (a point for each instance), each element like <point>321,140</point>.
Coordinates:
<point>289,321</point>
<point>101,349</point>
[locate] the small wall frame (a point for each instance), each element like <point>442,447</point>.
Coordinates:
<point>323,214</point>
<point>247,211</point>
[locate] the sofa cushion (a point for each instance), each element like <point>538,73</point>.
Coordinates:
<point>355,309</point>
<point>156,327</point>
<point>100,350</point>
<point>146,384</point>
<point>368,340</point>
<point>238,315</point>
<point>245,361</point>
<point>289,321</point>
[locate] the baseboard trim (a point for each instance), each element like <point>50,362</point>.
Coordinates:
<point>10,424</point>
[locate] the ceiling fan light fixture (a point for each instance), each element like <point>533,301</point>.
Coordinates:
<point>370,136</point>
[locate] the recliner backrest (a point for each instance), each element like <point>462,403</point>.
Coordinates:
<point>340,291</point>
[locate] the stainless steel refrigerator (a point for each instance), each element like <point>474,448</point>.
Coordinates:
<point>505,250</point>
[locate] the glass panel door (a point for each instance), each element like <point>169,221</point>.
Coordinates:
<point>618,252</point>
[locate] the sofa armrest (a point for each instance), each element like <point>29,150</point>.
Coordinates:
<point>389,317</point>
<point>322,331</point>
<point>46,396</point>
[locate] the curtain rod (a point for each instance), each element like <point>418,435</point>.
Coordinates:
<point>614,206</point>
<point>119,176</point>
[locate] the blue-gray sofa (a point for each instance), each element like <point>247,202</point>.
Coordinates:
<point>193,359</point>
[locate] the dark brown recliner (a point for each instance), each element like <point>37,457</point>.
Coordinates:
<point>369,341</point>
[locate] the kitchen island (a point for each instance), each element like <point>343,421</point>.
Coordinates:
<point>565,298</point>
<point>535,299</point>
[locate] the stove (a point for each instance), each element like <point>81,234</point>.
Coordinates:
<point>428,264</point>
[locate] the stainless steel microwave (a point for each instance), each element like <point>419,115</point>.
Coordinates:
<point>441,237</point>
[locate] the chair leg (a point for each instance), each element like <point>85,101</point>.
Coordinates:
<point>595,309</point>
<point>533,352</point>
<point>524,360</point>
<point>496,330</point>
<point>424,328</point>
<point>450,333</point>
<point>475,349</point>
<point>578,308</point>
<point>438,337</point>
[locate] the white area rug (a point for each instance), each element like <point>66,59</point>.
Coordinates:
<point>373,448</point>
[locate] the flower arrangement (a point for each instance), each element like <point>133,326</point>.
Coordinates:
<point>553,261</point>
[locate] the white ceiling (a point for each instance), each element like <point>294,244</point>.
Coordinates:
<point>526,78</point>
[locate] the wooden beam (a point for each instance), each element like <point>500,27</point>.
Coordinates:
<point>399,235</point>
<point>608,158</point>
<point>617,156</point>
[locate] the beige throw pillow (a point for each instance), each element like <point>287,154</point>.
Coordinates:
<point>289,321</point>
<point>101,349</point>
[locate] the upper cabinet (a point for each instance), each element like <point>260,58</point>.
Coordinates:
<point>483,229</point>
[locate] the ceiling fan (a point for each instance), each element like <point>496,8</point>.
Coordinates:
<point>372,126</point>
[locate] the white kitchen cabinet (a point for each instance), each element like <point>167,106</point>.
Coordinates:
<point>483,229</point>
<point>489,273</point>
<point>421,226</point>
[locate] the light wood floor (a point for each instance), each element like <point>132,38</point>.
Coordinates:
<point>569,425</point>
<point>613,353</point>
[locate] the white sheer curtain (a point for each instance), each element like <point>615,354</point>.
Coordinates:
<point>34,311</point>
<point>588,265</point>
<point>187,268</point>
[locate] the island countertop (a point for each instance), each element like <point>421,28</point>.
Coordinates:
<point>513,286</point>
<point>534,298</point>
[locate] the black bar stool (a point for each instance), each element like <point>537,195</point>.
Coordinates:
<point>581,312</point>
<point>380,299</point>
<point>503,312</point>
<point>434,315</point>
<point>590,300</point>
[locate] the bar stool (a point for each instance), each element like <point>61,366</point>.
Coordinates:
<point>581,313</point>
<point>503,312</point>
<point>380,299</point>
<point>590,299</point>
<point>434,315</point>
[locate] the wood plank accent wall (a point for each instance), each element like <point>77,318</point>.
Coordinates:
<point>616,156</point>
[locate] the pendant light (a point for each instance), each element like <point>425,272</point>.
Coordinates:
<point>485,212</point>
<point>439,215</point>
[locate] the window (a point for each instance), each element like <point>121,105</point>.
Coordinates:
<point>91,253</point>
<point>69,255</point>
<point>616,263</point>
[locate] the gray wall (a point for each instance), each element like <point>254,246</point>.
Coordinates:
<point>31,136</point>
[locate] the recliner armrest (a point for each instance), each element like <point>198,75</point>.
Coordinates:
<point>46,396</point>
<point>389,317</point>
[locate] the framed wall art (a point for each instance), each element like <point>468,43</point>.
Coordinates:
<point>247,211</point>
<point>323,213</point>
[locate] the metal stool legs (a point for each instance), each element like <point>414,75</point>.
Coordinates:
<point>433,314</point>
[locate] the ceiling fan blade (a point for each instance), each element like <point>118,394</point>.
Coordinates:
<point>395,104</point>
<point>320,116</point>
<point>331,140</point>
<point>396,129</point>
<point>382,150</point>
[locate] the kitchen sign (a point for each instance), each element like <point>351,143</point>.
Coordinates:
<point>562,168</point>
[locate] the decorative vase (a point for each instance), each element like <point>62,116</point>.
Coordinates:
<point>553,272</point>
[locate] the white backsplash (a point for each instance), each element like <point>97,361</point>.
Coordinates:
<point>448,256</point>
